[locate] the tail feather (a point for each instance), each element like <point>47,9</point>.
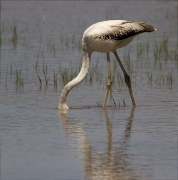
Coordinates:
<point>147,27</point>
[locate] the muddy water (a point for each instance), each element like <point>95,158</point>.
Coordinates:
<point>86,142</point>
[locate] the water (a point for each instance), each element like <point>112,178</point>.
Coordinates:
<point>39,142</point>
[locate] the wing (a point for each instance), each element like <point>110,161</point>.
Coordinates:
<point>119,30</point>
<point>129,29</point>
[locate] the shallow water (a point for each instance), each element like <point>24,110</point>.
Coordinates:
<point>37,141</point>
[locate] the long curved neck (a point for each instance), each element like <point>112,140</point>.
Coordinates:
<point>81,76</point>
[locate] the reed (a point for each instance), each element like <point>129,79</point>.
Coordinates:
<point>151,57</point>
<point>99,104</point>
<point>55,79</point>
<point>14,35</point>
<point>123,100</point>
<point>19,80</point>
<point>114,102</point>
<point>45,73</point>
<point>37,68</point>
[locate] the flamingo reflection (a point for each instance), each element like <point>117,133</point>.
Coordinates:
<point>112,164</point>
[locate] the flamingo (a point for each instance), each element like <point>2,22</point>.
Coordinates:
<point>106,36</point>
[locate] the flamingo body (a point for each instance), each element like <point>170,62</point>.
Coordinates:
<point>105,36</point>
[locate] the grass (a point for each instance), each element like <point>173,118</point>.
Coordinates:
<point>162,55</point>
<point>37,70</point>
<point>55,79</point>
<point>152,57</point>
<point>45,72</point>
<point>19,82</point>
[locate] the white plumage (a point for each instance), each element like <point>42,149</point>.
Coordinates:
<point>106,36</point>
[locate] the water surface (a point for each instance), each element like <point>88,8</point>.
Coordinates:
<point>40,142</point>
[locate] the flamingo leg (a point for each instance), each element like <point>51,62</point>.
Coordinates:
<point>127,78</point>
<point>109,81</point>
